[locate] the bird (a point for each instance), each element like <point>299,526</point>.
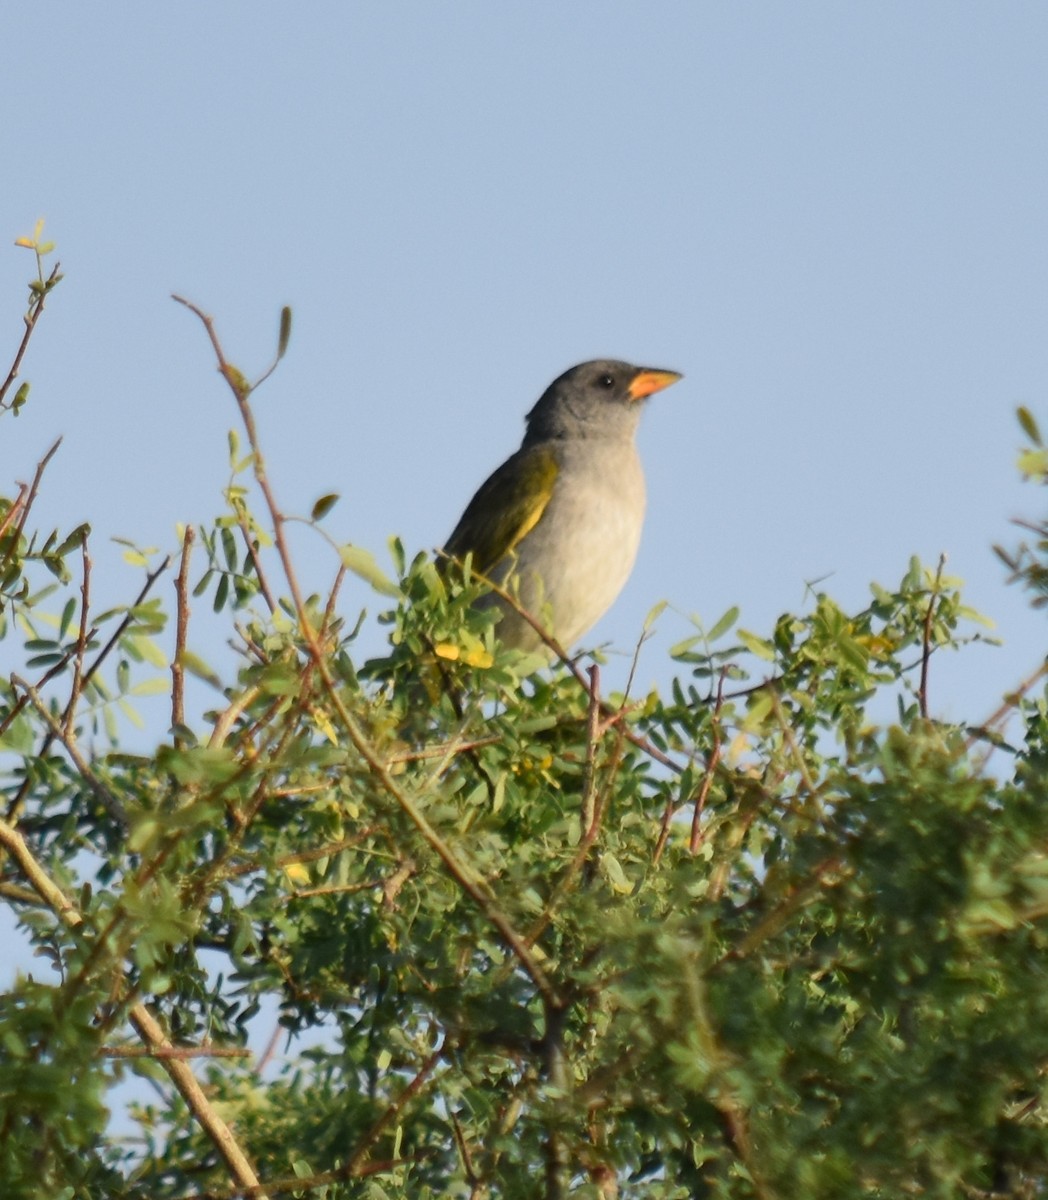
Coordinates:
<point>559,523</point>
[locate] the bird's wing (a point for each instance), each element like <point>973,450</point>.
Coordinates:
<point>506,508</point>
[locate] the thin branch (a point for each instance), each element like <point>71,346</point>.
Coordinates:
<point>171,1052</point>
<point>126,620</point>
<point>36,308</point>
<point>329,609</point>
<point>228,717</point>
<point>695,841</point>
<point>267,1054</point>
<point>83,636</point>
<point>590,834</point>
<point>303,1183</point>
<point>557,1164</point>
<point>23,701</point>
<point>19,895</point>
<point>926,639</point>
<point>1010,704</point>
<point>181,1074</point>
<point>252,549</point>
<point>178,670</point>
<point>303,856</point>
<point>68,741</point>
<point>464,876</point>
<point>27,501</point>
<point>49,738</point>
<point>592,734</point>
<point>145,1024</point>
<point>829,873</point>
<point>441,751</point>
<point>15,510</point>
<point>41,882</point>
<point>360,1152</point>
<point>472,1177</point>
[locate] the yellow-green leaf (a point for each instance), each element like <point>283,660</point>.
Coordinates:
<point>362,562</point>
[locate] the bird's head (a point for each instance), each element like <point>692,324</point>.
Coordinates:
<point>598,399</point>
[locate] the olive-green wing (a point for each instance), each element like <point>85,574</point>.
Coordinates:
<point>506,508</point>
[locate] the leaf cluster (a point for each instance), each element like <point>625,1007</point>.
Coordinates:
<point>738,938</point>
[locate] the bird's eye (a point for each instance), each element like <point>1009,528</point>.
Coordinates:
<point>606,380</point>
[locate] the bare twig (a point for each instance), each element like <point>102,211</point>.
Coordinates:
<point>1009,705</point>
<point>472,1177</point>
<point>228,717</point>
<point>16,802</point>
<point>26,498</point>
<point>181,1052</point>
<point>19,895</point>
<point>181,1074</point>
<point>15,509</point>
<point>557,1165</point>
<point>267,1054</point>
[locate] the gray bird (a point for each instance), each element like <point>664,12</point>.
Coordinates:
<point>559,522</point>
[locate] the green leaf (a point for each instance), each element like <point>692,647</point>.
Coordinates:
<point>221,593</point>
<point>285,331</point>
<point>759,706</point>
<point>195,665</point>
<point>396,552</point>
<point>1033,463</point>
<point>324,505</point>
<point>1029,425</point>
<point>67,617</point>
<point>157,686</point>
<point>362,562</point>
<point>654,613</point>
<point>757,645</point>
<point>722,626</point>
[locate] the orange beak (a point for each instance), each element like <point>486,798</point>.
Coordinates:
<point>646,382</point>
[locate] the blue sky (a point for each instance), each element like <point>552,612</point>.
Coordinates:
<point>832,218</point>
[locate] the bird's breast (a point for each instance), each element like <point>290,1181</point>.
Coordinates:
<point>581,552</point>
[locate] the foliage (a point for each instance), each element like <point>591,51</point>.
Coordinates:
<point>735,940</point>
